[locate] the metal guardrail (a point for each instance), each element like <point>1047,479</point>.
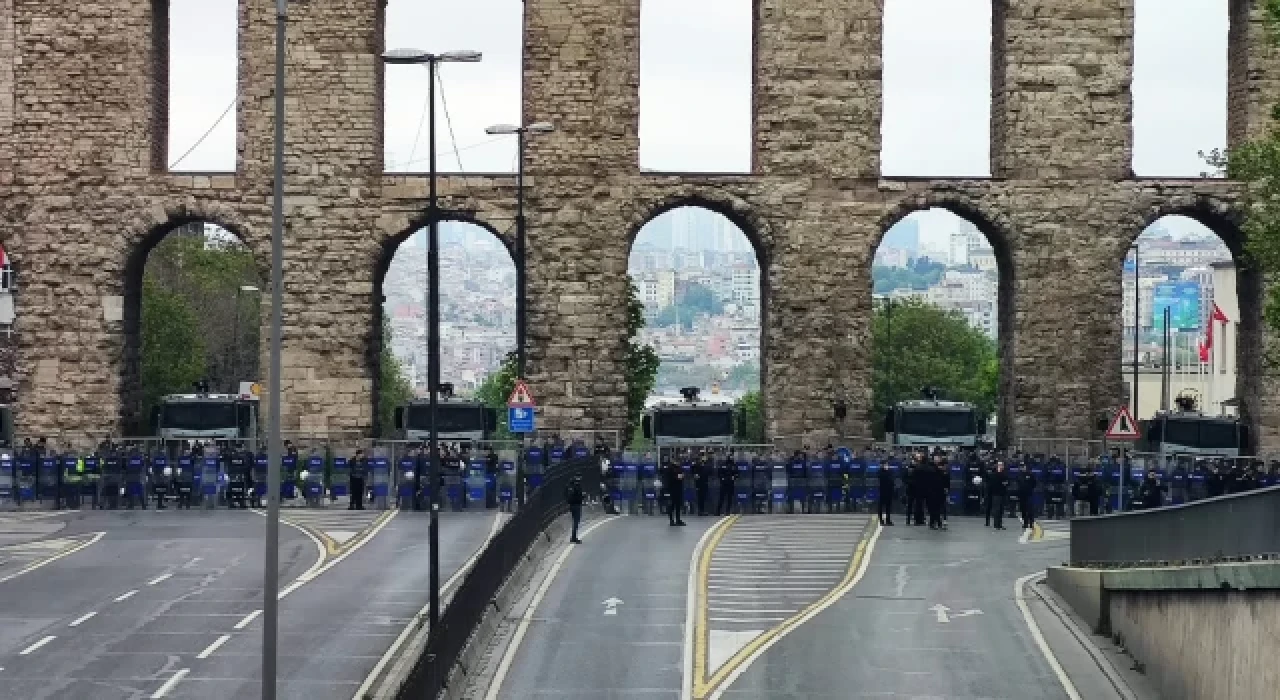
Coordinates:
<point>465,611</point>
<point>1239,527</point>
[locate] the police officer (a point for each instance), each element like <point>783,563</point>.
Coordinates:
<point>997,488</point>
<point>728,474</point>
<point>573,495</point>
<point>702,481</point>
<point>359,470</point>
<point>238,479</point>
<point>1213,483</point>
<point>673,482</point>
<point>916,490</point>
<point>935,490</point>
<point>884,507</point>
<point>1150,493</point>
<point>184,482</point>
<point>1026,493</point>
<point>72,474</point>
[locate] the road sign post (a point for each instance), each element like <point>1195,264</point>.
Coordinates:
<point>520,420</point>
<point>1123,427</point>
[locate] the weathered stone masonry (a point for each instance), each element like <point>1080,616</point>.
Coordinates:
<point>83,195</point>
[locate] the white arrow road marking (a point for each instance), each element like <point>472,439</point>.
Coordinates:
<point>941,610</point>
<point>611,606</point>
<point>966,613</point>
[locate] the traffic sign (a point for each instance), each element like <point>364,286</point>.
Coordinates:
<point>520,419</point>
<point>520,396</point>
<point>1123,426</point>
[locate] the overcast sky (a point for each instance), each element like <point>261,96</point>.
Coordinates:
<point>696,82</point>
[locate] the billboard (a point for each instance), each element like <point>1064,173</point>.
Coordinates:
<point>1183,301</point>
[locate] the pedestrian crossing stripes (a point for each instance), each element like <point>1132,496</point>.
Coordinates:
<point>18,559</point>
<point>1055,530</point>
<point>758,575</point>
<point>337,529</point>
<point>17,528</point>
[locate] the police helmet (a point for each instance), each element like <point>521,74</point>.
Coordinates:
<point>168,471</point>
<point>977,481</point>
<point>408,474</point>
<point>304,475</point>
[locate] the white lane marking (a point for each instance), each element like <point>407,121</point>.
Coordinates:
<point>191,563</point>
<point>415,622</point>
<point>1026,535</point>
<point>247,619</point>
<point>213,647</point>
<point>691,593</point>
<point>158,579</point>
<point>83,618</point>
<point>840,593</point>
<point>96,536</point>
<point>168,685</point>
<point>320,548</point>
<point>509,656</point>
<point>1019,593</point>
<point>315,572</point>
<point>126,596</point>
<point>37,645</point>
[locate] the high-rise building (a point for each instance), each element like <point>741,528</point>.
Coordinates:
<point>904,235</point>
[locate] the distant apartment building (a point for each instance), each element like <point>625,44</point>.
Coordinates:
<point>892,257</point>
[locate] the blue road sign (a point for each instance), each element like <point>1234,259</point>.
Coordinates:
<point>520,419</point>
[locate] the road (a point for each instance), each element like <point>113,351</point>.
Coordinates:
<point>166,604</point>
<point>803,606</point>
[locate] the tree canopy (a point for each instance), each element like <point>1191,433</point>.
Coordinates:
<point>749,428</point>
<point>394,387</point>
<point>642,360</point>
<point>196,320</point>
<point>922,273</point>
<point>928,346</point>
<point>694,300</point>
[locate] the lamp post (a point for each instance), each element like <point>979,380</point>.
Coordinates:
<point>1137,318</point>
<point>887,302</point>
<point>235,336</point>
<point>521,327</point>
<point>431,61</point>
<point>270,569</point>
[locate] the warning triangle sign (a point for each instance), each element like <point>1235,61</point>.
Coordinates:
<point>1123,426</point>
<point>520,396</point>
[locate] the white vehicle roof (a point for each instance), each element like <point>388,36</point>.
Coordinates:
<point>948,405</point>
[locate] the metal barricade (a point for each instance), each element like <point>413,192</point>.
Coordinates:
<point>27,480</point>
<point>535,463</point>
<point>651,485</point>
<point>380,481</point>
<point>779,484</point>
<point>212,479</point>
<point>816,488</point>
<point>8,481</point>
<point>871,480</point>
<point>50,479</point>
<point>508,476</point>
<point>135,480</point>
<point>1055,489</point>
<point>476,483</point>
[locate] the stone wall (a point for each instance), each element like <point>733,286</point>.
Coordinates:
<point>87,202</point>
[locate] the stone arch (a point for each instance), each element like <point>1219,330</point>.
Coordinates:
<point>140,238</point>
<point>1225,218</point>
<point>998,229</point>
<point>745,218</point>
<point>385,254</point>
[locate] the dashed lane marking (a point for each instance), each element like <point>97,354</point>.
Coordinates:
<point>37,645</point>
<point>169,684</point>
<point>247,619</point>
<point>82,619</point>
<point>123,597</point>
<point>213,647</point>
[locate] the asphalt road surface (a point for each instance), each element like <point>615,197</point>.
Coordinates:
<point>574,649</point>
<point>889,638</point>
<point>165,604</point>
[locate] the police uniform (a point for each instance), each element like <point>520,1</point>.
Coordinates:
<point>997,489</point>
<point>673,482</point>
<point>359,470</point>
<point>702,482</point>
<point>728,473</point>
<point>1026,497</point>
<point>885,507</point>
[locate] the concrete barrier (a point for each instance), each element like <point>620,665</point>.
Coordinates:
<point>1238,527</point>
<point>1200,631</point>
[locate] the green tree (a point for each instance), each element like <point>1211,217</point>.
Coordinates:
<point>496,388</point>
<point>173,353</point>
<point>750,425</point>
<point>642,361</point>
<point>698,298</point>
<point>394,387</point>
<point>931,347</point>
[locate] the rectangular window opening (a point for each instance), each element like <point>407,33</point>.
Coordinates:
<point>470,97</point>
<point>200,124</point>
<point>696,85</point>
<point>1179,86</point>
<point>937,89</point>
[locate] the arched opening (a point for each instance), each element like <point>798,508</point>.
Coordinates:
<point>943,326</point>
<point>937,88</point>
<point>1191,320</point>
<point>1179,85</point>
<point>469,97</point>
<point>477,320</point>
<point>702,283</point>
<point>192,312</point>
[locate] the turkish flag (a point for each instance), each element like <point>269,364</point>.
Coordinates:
<point>1216,317</point>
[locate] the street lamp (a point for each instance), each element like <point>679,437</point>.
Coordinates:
<point>521,323</point>
<point>235,336</point>
<point>431,61</point>
<point>887,302</point>
<point>1137,302</point>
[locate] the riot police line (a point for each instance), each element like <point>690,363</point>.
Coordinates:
<point>756,479</point>
<point>315,473</point>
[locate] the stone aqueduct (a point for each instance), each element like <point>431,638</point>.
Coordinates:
<point>84,194</point>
